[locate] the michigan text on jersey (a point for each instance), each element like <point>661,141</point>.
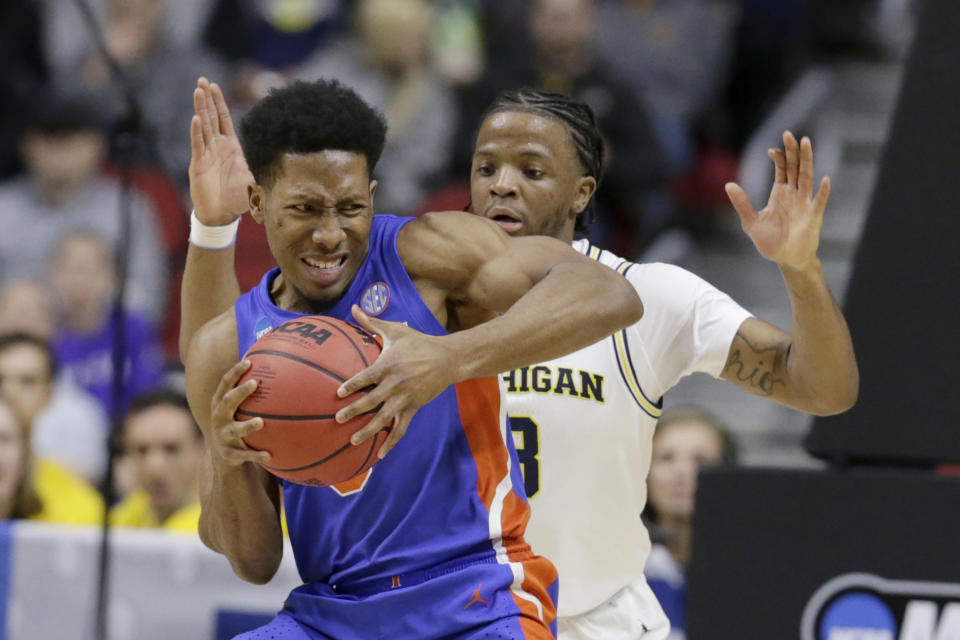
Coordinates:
<point>559,381</point>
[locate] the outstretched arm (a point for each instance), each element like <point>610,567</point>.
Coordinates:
<point>814,369</point>
<point>239,500</point>
<point>218,187</point>
<point>547,300</point>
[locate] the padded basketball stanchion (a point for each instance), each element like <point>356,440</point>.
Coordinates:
<point>867,549</point>
<point>901,301</point>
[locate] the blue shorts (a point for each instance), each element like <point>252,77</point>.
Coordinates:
<point>485,601</point>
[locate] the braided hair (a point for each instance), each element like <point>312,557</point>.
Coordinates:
<point>576,117</point>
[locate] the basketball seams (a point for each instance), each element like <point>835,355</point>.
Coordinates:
<point>363,356</point>
<point>290,356</point>
<point>374,440</point>
<point>282,416</point>
<point>373,443</point>
<point>289,390</point>
<point>312,464</point>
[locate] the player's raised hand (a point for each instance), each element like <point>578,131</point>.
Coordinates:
<point>412,370</point>
<point>226,433</point>
<point>218,170</point>
<point>787,230</point>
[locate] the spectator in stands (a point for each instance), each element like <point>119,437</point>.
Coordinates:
<point>564,59</point>
<point>157,70</point>
<point>685,440</point>
<point>268,39</point>
<point>25,306</point>
<point>39,489</point>
<point>64,188</point>
<point>164,448</point>
<point>387,60</point>
<point>24,73</point>
<point>675,55</point>
<point>774,44</point>
<point>18,496</point>
<point>83,278</point>
<point>68,425</point>
<point>457,41</point>
<point>66,35</point>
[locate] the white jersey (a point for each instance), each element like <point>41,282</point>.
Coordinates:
<point>583,426</point>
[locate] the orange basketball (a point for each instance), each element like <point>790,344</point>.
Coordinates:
<point>299,366</point>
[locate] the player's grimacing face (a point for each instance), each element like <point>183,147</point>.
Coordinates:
<point>317,215</point>
<point>526,176</point>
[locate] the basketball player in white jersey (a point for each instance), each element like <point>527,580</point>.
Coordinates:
<point>584,423</point>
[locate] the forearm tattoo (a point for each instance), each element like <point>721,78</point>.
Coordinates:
<point>759,377</point>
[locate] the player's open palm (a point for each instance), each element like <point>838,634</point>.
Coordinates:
<point>218,170</point>
<point>787,230</point>
<point>411,371</point>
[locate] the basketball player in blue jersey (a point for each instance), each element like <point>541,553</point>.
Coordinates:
<point>533,149</point>
<point>429,542</point>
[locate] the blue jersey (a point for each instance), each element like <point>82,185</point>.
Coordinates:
<point>448,497</point>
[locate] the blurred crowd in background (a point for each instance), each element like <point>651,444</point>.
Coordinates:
<point>677,86</point>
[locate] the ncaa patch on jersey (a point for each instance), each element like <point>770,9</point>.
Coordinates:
<point>262,327</point>
<point>375,299</point>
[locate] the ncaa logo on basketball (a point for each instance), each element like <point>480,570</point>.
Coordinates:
<point>859,606</point>
<point>375,299</point>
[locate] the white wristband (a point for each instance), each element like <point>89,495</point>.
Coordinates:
<point>207,237</point>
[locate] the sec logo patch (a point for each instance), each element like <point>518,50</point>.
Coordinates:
<point>375,299</point>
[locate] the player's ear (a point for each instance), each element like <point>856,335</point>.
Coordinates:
<point>256,197</point>
<point>585,188</point>
<point>373,189</point>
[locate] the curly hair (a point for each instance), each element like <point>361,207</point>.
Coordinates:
<point>576,116</point>
<point>307,117</point>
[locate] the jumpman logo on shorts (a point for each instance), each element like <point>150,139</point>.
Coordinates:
<point>476,597</point>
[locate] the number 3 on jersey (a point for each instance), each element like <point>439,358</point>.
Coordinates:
<point>526,439</point>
